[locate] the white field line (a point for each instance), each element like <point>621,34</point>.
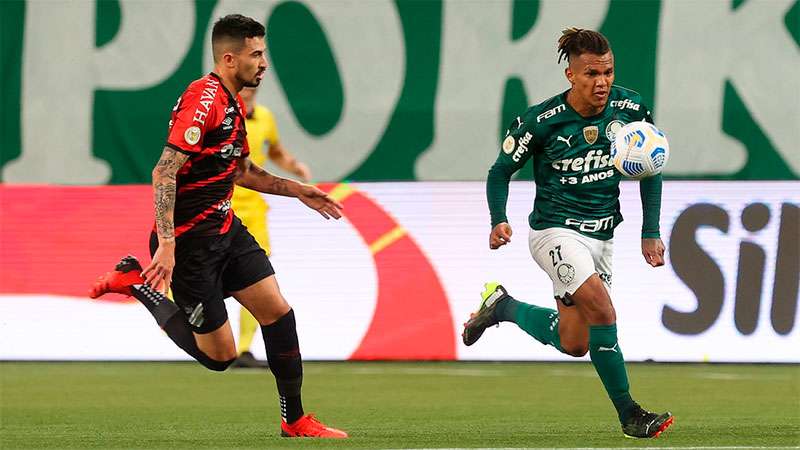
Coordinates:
<point>498,372</point>
<point>390,371</point>
<point>739,376</point>
<point>429,371</point>
<point>464,372</point>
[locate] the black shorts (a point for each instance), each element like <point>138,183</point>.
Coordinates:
<point>209,268</point>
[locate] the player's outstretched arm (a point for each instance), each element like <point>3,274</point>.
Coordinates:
<point>652,247</point>
<point>159,273</point>
<point>253,177</point>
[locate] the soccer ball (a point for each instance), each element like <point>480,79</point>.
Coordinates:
<point>639,150</point>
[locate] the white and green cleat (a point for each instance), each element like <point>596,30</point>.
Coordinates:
<point>484,317</point>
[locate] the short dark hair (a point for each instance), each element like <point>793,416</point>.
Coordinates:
<point>577,41</point>
<point>234,27</point>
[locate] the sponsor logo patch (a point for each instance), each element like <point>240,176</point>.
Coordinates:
<point>590,134</point>
<point>192,135</point>
<point>625,104</point>
<point>522,147</point>
<point>229,150</point>
<point>613,128</point>
<point>591,225</point>
<point>508,145</point>
<point>594,159</point>
<point>550,113</point>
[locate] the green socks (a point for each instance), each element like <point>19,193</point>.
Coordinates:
<point>541,323</point>
<point>506,309</point>
<point>610,366</point>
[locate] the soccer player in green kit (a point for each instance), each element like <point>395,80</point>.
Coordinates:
<point>574,215</point>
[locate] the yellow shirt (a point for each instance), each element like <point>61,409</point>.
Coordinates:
<point>262,131</point>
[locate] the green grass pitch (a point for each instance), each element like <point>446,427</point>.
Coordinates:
<point>392,405</point>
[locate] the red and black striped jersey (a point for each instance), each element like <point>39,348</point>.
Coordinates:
<point>208,125</point>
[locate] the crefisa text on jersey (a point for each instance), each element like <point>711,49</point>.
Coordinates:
<point>522,146</point>
<point>595,159</point>
<point>622,104</point>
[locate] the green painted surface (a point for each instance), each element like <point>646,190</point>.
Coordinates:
<point>129,125</point>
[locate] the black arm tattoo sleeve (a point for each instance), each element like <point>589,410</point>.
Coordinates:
<point>164,188</point>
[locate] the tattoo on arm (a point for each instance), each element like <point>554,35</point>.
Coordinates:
<point>279,186</point>
<point>164,191</point>
<point>260,180</point>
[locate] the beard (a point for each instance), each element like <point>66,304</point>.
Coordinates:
<point>252,82</point>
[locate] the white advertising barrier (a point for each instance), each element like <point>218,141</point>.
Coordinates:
<point>398,277</point>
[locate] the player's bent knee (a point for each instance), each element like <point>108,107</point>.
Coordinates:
<point>224,354</point>
<point>269,317</point>
<point>218,352</point>
<point>219,359</point>
<point>216,366</point>
<point>604,316</point>
<point>576,350</point>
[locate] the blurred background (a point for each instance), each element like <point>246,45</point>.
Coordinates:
<point>400,106</point>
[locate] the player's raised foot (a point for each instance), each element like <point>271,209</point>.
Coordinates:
<point>247,361</point>
<point>309,426</point>
<point>645,424</point>
<point>484,317</point>
<point>126,273</point>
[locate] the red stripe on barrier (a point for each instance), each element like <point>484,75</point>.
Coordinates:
<point>55,240</point>
<point>51,237</point>
<point>412,318</point>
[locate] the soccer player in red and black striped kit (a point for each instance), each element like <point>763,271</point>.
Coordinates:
<point>200,248</point>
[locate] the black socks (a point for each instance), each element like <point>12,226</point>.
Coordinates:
<point>283,354</point>
<point>170,318</point>
<point>157,303</point>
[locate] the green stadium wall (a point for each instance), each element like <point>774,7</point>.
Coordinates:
<point>394,90</point>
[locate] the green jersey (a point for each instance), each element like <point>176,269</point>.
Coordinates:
<point>577,186</point>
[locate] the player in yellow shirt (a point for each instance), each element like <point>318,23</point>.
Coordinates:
<point>250,206</point>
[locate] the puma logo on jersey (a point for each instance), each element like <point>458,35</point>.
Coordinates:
<point>561,138</point>
<point>606,349</point>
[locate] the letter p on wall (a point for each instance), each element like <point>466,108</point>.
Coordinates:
<point>62,68</point>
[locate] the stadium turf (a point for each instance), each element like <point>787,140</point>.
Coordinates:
<point>391,405</point>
